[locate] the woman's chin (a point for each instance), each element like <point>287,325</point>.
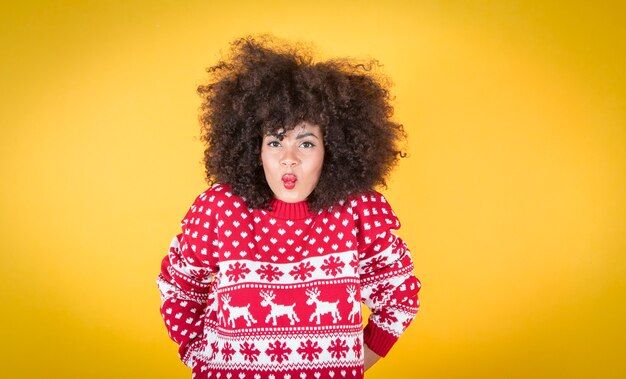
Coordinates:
<point>290,196</point>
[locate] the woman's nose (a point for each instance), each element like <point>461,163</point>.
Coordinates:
<point>289,158</point>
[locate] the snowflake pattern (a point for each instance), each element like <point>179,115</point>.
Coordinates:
<point>199,273</point>
<point>249,352</point>
<point>228,351</point>
<point>387,316</point>
<point>338,348</point>
<point>380,291</point>
<point>333,266</point>
<point>237,271</point>
<point>302,271</point>
<point>309,350</point>
<point>358,348</point>
<point>255,251</point>
<point>269,272</point>
<point>354,263</point>
<point>278,351</point>
<point>374,264</point>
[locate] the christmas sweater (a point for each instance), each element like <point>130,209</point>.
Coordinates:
<point>259,294</point>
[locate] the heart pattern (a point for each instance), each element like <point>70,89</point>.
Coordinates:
<point>239,285</point>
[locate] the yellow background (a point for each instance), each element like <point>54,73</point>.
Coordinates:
<point>512,200</point>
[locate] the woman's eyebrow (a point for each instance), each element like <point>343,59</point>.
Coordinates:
<point>299,136</point>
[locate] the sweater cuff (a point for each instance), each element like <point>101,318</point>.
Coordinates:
<point>377,339</point>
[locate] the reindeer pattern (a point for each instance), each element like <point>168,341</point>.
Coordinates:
<point>235,313</point>
<point>277,310</point>
<point>355,312</point>
<point>321,307</point>
<point>285,294</point>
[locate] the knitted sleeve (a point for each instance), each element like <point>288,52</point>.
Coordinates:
<point>388,286</point>
<point>185,280</point>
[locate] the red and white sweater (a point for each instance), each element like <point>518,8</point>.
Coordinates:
<point>255,294</point>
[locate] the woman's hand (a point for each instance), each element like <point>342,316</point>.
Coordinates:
<point>370,357</point>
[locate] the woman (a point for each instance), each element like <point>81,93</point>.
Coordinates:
<point>267,277</point>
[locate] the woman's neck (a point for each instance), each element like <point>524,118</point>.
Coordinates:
<point>291,211</point>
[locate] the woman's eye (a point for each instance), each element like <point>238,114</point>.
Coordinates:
<point>308,144</point>
<point>273,144</point>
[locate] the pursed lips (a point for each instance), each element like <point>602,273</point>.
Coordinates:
<point>289,181</point>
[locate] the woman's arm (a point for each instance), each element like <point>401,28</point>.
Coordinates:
<point>185,280</point>
<point>370,357</point>
<point>388,286</point>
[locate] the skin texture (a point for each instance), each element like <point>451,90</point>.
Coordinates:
<point>370,358</point>
<point>264,92</point>
<point>263,85</point>
<point>299,152</point>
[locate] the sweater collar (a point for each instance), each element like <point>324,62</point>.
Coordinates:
<point>290,211</point>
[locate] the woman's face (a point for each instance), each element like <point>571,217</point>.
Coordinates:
<point>293,165</point>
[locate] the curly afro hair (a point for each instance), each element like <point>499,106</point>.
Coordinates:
<point>263,86</point>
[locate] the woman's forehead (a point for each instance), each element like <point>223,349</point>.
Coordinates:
<point>300,128</point>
